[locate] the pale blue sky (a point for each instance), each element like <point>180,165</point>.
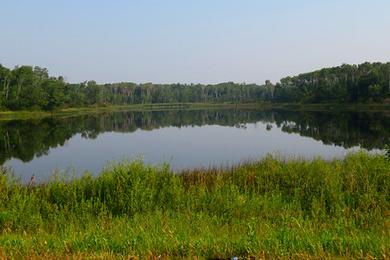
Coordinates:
<point>198,41</point>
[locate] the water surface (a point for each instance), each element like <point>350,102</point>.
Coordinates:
<point>187,138</point>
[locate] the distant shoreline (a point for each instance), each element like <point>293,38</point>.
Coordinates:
<point>25,114</point>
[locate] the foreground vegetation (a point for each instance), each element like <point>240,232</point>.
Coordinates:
<point>267,208</point>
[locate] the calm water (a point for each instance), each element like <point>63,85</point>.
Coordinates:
<point>184,138</point>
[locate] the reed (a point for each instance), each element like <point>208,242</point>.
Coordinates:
<point>267,208</point>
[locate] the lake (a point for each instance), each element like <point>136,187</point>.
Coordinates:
<point>184,138</point>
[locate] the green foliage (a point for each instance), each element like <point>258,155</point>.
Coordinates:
<point>367,82</point>
<point>266,208</point>
<point>31,88</point>
<point>387,151</point>
<point>26,87</point>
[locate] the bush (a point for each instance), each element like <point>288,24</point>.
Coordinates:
<point>387,151</point>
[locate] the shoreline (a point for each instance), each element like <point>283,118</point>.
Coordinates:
<point>25,114</point>
<point>15,115</point>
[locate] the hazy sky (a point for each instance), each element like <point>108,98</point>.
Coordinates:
<point>199,41</point>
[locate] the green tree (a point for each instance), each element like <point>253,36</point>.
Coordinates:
<point>5,80</point>
<point>55,93</point>
<point>93,93</point>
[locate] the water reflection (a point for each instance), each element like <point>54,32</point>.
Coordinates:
<point>29,139</point>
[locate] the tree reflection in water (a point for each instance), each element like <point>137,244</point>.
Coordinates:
<point>25,139</point>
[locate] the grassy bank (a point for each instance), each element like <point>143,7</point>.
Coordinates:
<point>267,208</point>
<point>330,106</point>
<point>21,115</point>
<point>17,115</point>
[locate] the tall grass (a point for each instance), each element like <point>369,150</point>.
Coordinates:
<point>265,208</point>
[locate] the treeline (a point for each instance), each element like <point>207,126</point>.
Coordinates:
<point>367,82</point>
<point>27,87</point>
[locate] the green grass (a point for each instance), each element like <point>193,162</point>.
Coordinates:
<point>65,112</point>
<point>267,208</point>
<point>331,106</point>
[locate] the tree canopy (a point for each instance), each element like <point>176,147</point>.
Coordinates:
<point>367,82</point>
<point>27,87</point>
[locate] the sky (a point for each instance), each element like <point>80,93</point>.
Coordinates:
<point>191,41</point>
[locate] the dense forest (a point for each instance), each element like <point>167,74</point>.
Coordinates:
<point>28,87</point>
<point>367,82</point>
<point>25,139</point>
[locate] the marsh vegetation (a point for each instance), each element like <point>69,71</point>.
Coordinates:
<point>267,208</point>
